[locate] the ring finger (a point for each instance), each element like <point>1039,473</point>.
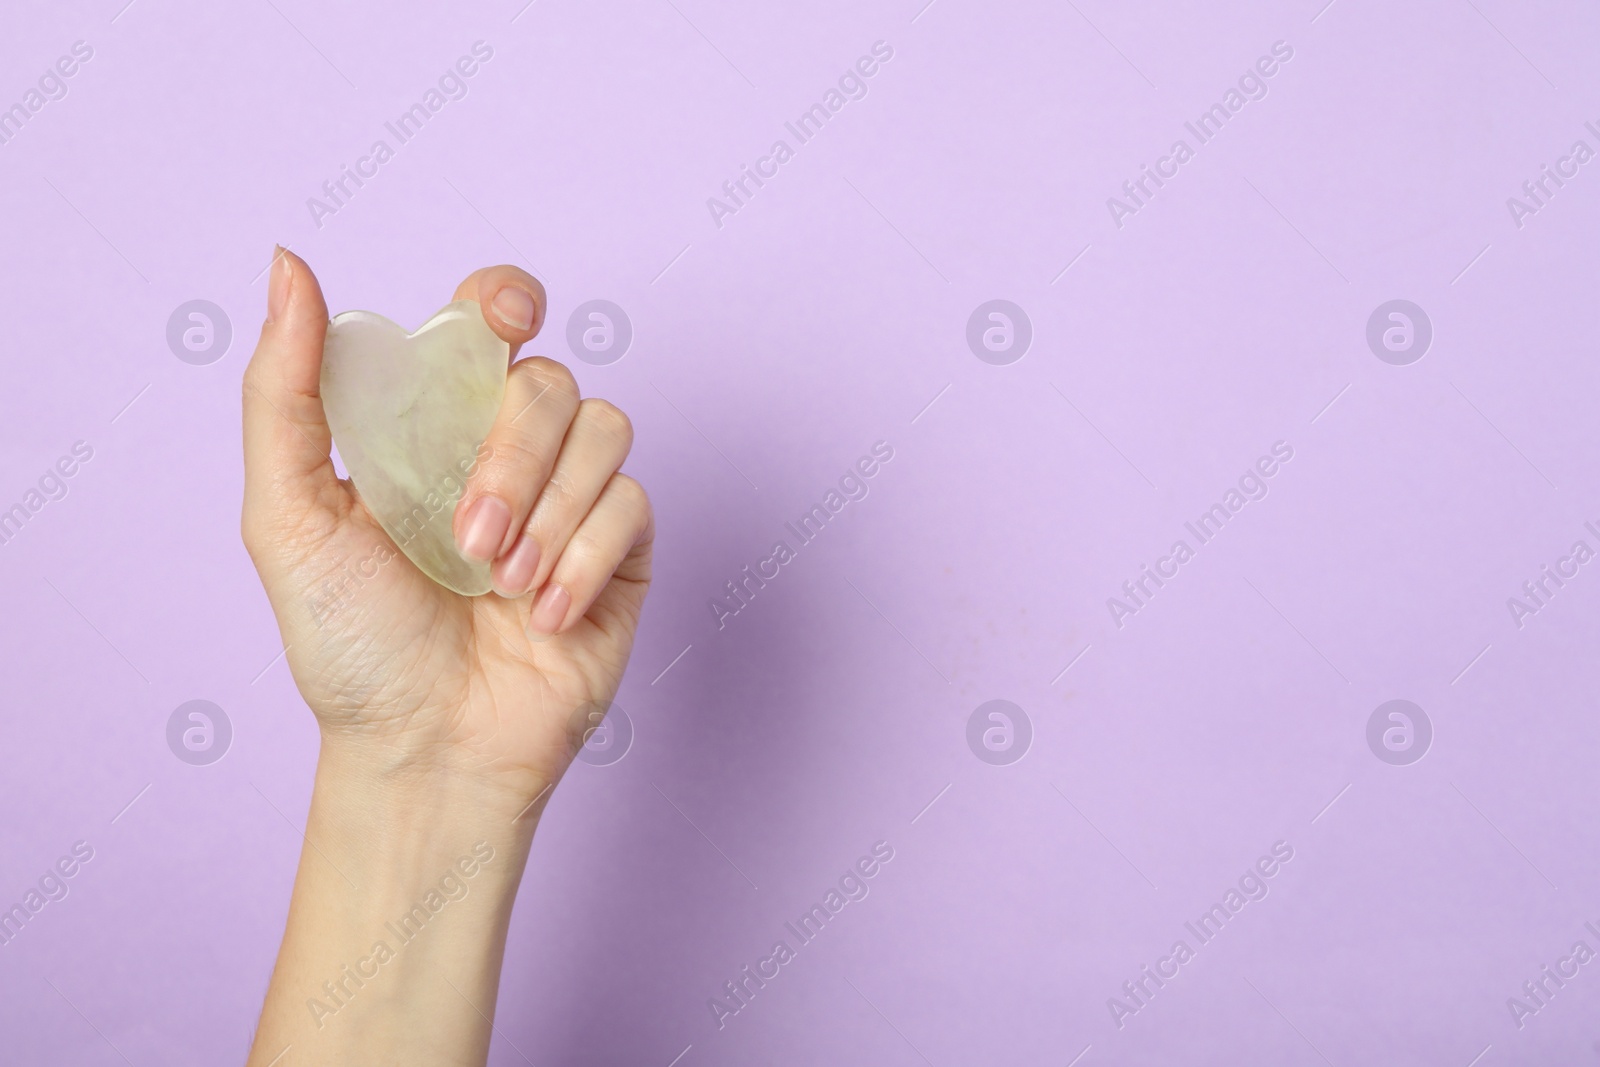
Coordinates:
<point>595,446</point>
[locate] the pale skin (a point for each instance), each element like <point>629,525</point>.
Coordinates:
<point>445,720</point>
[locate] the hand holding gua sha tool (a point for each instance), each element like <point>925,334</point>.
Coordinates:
<point>409,413</point>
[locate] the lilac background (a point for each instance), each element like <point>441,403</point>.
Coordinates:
<point>772,352</point>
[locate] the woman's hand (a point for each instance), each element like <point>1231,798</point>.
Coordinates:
<point>445,719</point>
<point>409,680</point>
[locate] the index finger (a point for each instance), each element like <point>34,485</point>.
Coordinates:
<point>512,300</point>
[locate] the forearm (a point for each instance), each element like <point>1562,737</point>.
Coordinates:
<point>397,922</point>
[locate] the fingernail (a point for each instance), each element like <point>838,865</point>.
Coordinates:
<point>486,525</point>
<point>549,609</point>
<point>516,570</point>
<point>277,285</point>
<point>514,306</point>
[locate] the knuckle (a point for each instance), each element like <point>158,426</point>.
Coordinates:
<point>637,501</point>
<point>248,382</point>
<point>582,551</point>
<point>510,459</point>
<point>559,495</point>
<point>631,492</point>
<point>608,420</point>
<point>249,532</point>
<point>545,378</point>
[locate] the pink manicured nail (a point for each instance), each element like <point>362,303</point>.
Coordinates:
<point>550,609</point>
<point>277,285</point>
<point>516,570</point>
<point>486,525</point>
<point>514,306</point>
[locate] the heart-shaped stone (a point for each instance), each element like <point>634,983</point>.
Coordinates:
<point>409,415</point>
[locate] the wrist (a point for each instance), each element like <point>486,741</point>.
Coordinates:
<point>397,833</point>
<point>403,792</point>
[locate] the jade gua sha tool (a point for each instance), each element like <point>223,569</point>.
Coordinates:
<point>409,413</point>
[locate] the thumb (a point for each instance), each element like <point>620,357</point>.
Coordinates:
<point>286,439</point>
